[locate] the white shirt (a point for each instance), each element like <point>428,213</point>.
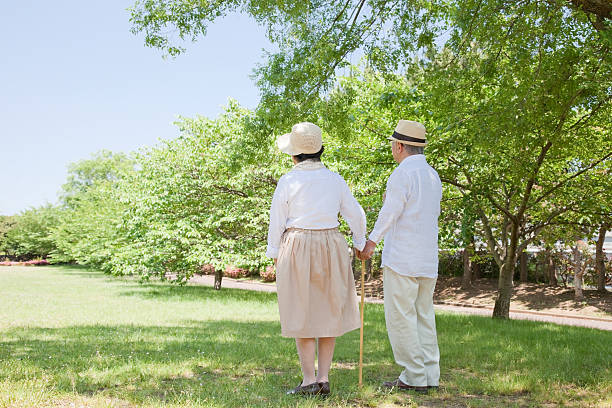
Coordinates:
<point>310,197</point>
<point>408,219</point>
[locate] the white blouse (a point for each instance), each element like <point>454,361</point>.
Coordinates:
<point>310,197</point>
<point>408,220</point>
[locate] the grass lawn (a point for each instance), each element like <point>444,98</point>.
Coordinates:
<point>76,337</point>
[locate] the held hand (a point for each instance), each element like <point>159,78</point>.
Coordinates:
<point>274,261</point>
<point>368,250</point>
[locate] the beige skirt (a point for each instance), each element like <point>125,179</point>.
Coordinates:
<point>316,289</point>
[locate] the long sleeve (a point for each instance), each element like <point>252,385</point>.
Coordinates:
<point>278,220</point>
<point>354,215</point>
<point>390,211</point>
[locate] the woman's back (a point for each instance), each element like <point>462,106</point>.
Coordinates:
<point>314,198</point>
<point>310,197</point>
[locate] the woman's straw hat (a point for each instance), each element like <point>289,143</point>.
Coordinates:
<point>409,132</point>
<point>305,138</point>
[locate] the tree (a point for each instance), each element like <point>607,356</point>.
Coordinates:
<point>200,199</point>
<point>30,236</point>
<point>88,230</point>
<point>7,223</point>
<point>600,264</point>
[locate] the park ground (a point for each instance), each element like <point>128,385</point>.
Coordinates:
<point>526,296</point>
<point>75,337</point>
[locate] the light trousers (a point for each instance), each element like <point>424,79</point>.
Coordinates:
<point>411,324</point>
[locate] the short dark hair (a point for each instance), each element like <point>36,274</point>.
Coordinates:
<point>312,156</point>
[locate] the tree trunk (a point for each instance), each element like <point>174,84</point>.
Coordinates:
<point>524,274</point>
<point>502,303</point>
<point>468,252</point>
<point>475,271</point>
<point>551,269</point>
<point>600,264</point>
<point>578,272</point>
<point>218,278</point>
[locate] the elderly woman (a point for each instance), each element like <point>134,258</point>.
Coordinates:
<point>316,290</point>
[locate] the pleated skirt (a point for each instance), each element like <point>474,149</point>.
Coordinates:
<point>315,284</point>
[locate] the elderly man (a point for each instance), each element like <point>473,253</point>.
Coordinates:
<point>408,221</point>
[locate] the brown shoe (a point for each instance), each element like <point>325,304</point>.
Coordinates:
<point>310,389</point>
<point>324,388</point>
<point>405,387</point>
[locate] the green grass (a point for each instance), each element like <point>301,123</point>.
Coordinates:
<point>76,337</point>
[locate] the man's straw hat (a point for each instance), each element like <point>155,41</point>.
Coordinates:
<point>409,132</point>
<point>305,138</point>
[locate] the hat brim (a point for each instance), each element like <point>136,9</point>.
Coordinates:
<point>284,145</point>
<point>423,144</point>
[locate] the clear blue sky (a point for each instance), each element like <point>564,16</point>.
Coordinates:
<point>74,80</point>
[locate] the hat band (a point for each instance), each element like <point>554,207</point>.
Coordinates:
<point>404,138</point>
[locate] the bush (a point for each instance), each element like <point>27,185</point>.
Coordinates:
<point>233,272</point>
<point>207,269</point>
<point>450,263</point>
<point>268,274</point>
<point>33,262</point>
<point>37,262</point>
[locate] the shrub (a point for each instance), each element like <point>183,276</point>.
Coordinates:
<point>268,274</point>
<point>207,269</point>
<point>37,262</point>
<point>232,272</point>
<point>450,263</point>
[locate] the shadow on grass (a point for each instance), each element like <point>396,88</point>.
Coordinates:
<point>237,363</point>
<point>543,297</point>
<point>169,291</point>
<point>222,360</point>
<point>165,290</point>
<point>536,296</point>
<point>148,361</point>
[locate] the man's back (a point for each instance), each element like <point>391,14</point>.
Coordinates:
<point>414,192</point>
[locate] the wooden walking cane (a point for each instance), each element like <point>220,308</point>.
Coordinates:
<point>361,331</point>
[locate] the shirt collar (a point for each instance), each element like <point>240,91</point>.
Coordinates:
<point>309,165</point>
<point>414,157</point>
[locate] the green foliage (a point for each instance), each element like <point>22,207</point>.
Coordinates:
<point>28,234</point>
<point>7,222</point>
<point>88,230</point>
<point>315,39</point>
<point>199,199</point>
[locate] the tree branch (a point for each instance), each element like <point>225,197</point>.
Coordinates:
<point>573,176</point>
<point>230,191</point>
<point>454,183</point>
<point>531,182</point>
<point>489,234</point>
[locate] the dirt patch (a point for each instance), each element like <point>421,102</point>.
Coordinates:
<point>527,296</point>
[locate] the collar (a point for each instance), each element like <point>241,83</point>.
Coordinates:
<point>414,157</point>
<point>309,164</point>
